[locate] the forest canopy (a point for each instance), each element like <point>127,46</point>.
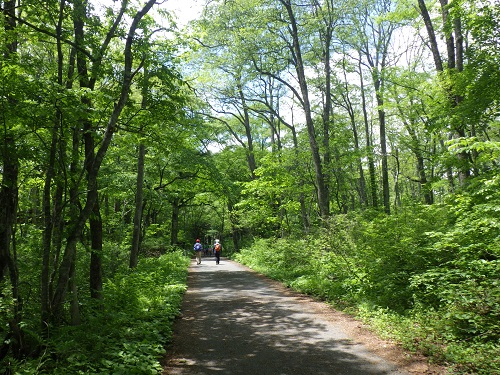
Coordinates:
<point>350,149</point>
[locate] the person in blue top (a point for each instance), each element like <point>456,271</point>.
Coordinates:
<point>198,247</point>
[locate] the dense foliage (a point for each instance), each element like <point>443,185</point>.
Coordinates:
<point>126,334</point>
<point>427,276</point>
<point>351,148</point>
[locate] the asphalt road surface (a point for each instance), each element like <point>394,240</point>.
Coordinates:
<point>235,321</point>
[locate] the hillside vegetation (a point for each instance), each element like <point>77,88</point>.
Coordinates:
<point>428,277</point>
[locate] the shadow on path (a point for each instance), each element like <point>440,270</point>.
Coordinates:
<point>235,322</point>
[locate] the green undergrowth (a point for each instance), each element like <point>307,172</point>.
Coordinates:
<point>428,278</point>
<point>128,332</point>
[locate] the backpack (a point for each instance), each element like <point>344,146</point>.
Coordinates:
<point>217,247</point>
<point>197,246</point>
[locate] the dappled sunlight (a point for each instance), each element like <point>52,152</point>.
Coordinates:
<point>236,322</point>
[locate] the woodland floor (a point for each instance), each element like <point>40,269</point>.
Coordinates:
<point>235,321</point>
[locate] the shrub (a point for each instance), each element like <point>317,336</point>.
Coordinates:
<point>127,332</point>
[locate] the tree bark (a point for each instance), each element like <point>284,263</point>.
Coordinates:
<point>139,196</point>
<point>321,186</point>
<point>248,131</point>
<point>75,232</point>
<point>383,148</point>
<point>9,195</point>
<point>174,230</point>
<point>376,53</point>
<point>369,149</point>
<point>327,109</point>
<point>438,63</point>
<point>95,275</point>
<point>95,221</point>
<point>139,200</point>
<point>348,105</point>
<point>455,52</point>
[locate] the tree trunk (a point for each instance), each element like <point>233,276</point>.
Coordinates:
<point>321,186</point>
<point>174,230</point>
<point>8,266</point>
<point>235,231</point>
<point>8,203</point>
<point>369,150</point>
<point>455,52</point>
<point>75,232</point>
<point>75,305</point>
<point>8,206</point>
<point>139,192</point>
<point>139,200</point>
<point>48,226</point>
<point>95,276</point>
<point>327,112</point>
<point>362,184</point>
<point>383,148</point>
<point>248,131</point>
<point>348,105</point>
<point>438,62</point>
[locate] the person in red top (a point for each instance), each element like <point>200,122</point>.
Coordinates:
<point>217,251</point>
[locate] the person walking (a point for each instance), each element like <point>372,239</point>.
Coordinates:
<point>198,247</point>
<point>217,251</point>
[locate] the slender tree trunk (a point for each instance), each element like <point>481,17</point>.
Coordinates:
<point>347,104</point>
<point>10,167</point>
<point>397,172</point>
<point>139,200</point>
<point>438,62</point>
<point>306,222</point>
<point>50,215</point>
<point>75,232</point>
<point>139,195</point>
<point>9,196</point>
<point>427,191</point>
<point>383,148</point>
<point>8,203</point>
<point>455,52</point>
<point>369,150</point>
<point>174,230</point>
<point>321,186</point>
<point>48,225</point>
<point>327,112</point>
<point>449,171</point>
<point>64,263</point>
<point>95,276</point>
<point>362,184</point>
<point>248,131</point>
<point>75,304</point>
<point>95,221</point>
<point>8,266</point>
<point>235,232</point>
<point>377,63</point>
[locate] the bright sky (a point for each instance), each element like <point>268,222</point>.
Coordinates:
<point>185,10</point>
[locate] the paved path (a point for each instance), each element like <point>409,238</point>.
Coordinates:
<point>237,322</point>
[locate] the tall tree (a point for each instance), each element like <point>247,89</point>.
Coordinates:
<point>95,163</point>
<point>375,43</point>
<point>344,97</point>
<point>452,28</point>
<point>139,191</point>
<point>295,50</point>
<point>9,155</point>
